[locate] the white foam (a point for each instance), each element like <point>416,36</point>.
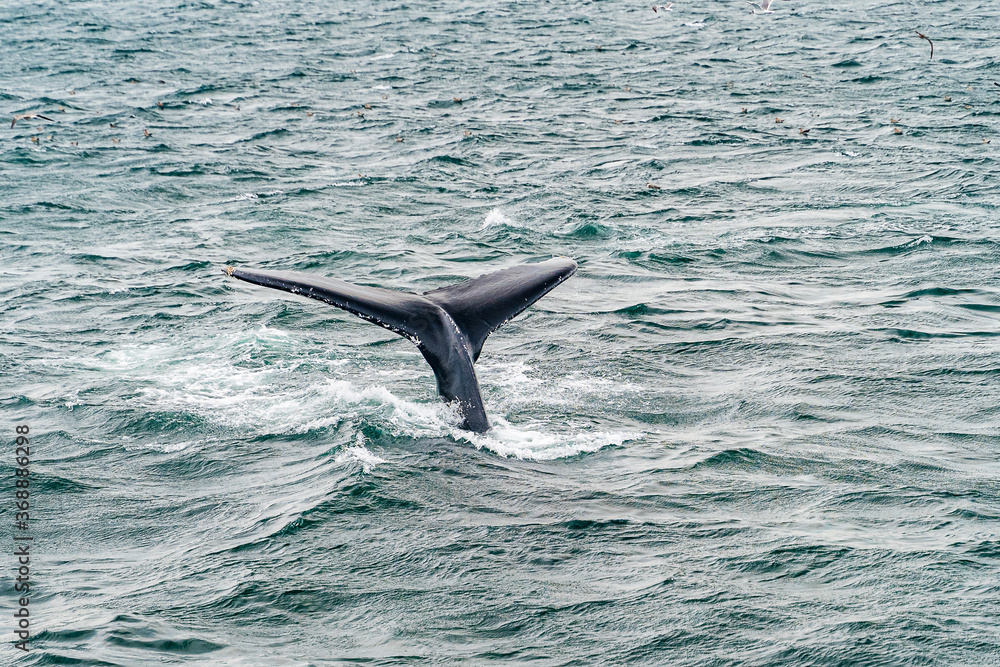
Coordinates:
<point>598,385</point>
<point>167,448</point>
<point>511,441</point>
<point>520,386</point>
<point>359,453</point>
<point>403,417</point>
<point>496,217</point>
<point>253,382</point>
<point>509,374</point>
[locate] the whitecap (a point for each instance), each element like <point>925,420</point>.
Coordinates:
<point>166,448</point>
<point>359,453</point>
<point>522,443</point>
<point>496,217</point>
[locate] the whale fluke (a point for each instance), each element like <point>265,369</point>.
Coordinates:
<point>448,325</point>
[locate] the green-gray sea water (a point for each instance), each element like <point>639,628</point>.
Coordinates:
<point>758,427</point>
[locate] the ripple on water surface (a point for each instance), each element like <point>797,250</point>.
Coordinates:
<point>758,426</point>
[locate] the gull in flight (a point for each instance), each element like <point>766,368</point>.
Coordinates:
<point>669,7</point>
<point>29,116</point>
<point>764,6</point>
<point>923,36</point>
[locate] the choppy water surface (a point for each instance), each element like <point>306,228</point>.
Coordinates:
<point>758,427</point>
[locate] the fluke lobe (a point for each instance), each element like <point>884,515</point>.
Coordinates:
<point>448,325</point>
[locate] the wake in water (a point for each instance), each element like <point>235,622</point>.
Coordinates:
<point>217,384</point>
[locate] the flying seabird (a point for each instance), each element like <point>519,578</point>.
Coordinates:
<point>923,36</point>
<point>764,6</point>
<point>29,116</point>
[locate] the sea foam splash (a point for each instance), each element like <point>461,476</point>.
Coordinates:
<point>496,218</point>
<point>214,383</point>
<point>511,441</point>
<point>360,454</point>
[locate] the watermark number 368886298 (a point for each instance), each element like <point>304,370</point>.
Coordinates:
<point>22,537</point>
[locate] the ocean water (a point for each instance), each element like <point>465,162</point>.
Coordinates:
<point>758,427</point>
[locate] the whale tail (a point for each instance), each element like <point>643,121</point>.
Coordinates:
<point>448,325</point>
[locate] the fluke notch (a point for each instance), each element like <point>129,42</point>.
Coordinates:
<point>448,325</point>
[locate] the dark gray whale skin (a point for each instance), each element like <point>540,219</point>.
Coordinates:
<point>448,325</point>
